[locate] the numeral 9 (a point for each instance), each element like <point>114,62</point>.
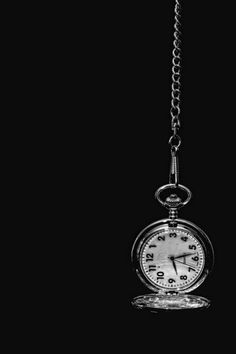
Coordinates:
<point>171,280</point>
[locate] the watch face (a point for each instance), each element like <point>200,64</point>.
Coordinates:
<point>172,258</point>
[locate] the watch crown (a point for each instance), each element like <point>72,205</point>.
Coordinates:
<point>173,201</point>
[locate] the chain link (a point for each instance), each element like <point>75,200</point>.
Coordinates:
<point>175,140</point>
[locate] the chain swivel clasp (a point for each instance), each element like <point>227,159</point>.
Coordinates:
<point>174,166</point>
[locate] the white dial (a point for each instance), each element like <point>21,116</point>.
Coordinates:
<point>172,258</point>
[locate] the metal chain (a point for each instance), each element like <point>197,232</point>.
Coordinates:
<point>175,140</point>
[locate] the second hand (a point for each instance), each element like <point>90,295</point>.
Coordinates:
<point>188,265</point>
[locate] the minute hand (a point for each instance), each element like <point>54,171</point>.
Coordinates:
<point>184,255</point>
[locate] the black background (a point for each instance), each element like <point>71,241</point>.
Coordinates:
<point>106,69</point>
<point>131,80</point>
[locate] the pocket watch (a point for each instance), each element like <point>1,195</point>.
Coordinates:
<point>172,257</point>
